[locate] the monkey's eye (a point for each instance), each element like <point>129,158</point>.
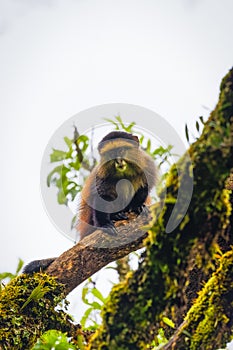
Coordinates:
<point>121,152</point>
<point>114,153</point>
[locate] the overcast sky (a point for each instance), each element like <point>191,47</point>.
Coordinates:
<point>59,57</point>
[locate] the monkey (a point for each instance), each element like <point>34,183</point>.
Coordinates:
<point>105,198</point>
<point>119,184</point>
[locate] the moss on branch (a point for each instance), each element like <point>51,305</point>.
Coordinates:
<point>176,264</point>
<point>27,309</point>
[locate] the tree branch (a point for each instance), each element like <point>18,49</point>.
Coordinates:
<point>97,250</point>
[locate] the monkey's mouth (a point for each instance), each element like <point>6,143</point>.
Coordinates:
<point>120,164</point>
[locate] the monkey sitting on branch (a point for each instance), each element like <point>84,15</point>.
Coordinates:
<point>118,185</point>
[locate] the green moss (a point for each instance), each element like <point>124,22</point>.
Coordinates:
<point>176,264</point>
<point>24,317</point>
<point>211,315</point>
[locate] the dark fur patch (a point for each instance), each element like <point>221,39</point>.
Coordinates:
<point>117,135</point>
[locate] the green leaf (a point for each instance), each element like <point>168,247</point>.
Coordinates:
<point>36,294</point>
<point>76,164</point>
<point>68,141</point>
<point>85,291</point>
<point>118,118</point>
<point>57,170</point>
<point>112,122</point>
<point>61,198</point>
<point>98,295</point>
<point>197,126</point>
<point>58,155</point>
<point>53,339</point>
<point>141,139</point>
<point>96,306</point>
<point>80,342</point>
<point>74,191</point>
<point>19,266</point>
<point>6,275</point>
<point>123,126</point>
<point>86,316</point>
<point>85,140</point>
<point>130,127</point>
<point>148,146</point>
<point>168,322</point>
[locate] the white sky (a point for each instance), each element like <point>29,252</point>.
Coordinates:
<point>60,57</point>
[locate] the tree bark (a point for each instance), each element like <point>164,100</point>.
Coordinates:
<point>97,250</point>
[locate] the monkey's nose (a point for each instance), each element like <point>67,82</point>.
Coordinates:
<point>120,163</point>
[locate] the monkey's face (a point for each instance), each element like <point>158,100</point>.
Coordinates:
<point>120,162</point>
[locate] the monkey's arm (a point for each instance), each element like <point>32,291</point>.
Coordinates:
<point>103,218</point>
<point>137,204</point>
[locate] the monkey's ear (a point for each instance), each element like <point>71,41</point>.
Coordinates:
<point>135,138</point>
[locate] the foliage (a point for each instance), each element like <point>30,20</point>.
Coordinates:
<point>199,127</point>
<point>53,340</point>
<point>9,275</point>
<point>27,310</point>
<point>92,314</point>
<point>65,175</point>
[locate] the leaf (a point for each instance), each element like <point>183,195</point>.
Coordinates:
<point>80,342</point>
<point>57,170</point>
<point>202,120</point>
<point>148,146</point>
<point>36,294</point>
<point>141,139</point>
<point>85,316</point>
<point>96,306</point>
<point>74,191</point>
<point>19,266</point>
<point>53,339</point>
<point>58,155</point>
<point>168,322</point>
<point>187,132</point>
<point>85,140</point>
<point>98,295</point>
<point>118,118</point>
<point>112,122</point>
<point>130,126</point>
<point>197,126</point>
<point>6,275</point>
<point>68,141</point>
<point>84,294</point>
<point>61,198</point>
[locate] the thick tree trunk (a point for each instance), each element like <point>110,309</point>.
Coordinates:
<point>177,264</point>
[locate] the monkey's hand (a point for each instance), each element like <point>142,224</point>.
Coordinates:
<point>109,228</point>
<point>119,216</point>
<point>142,209</point>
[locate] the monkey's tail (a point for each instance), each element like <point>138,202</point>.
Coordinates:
<point>38,265</point>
